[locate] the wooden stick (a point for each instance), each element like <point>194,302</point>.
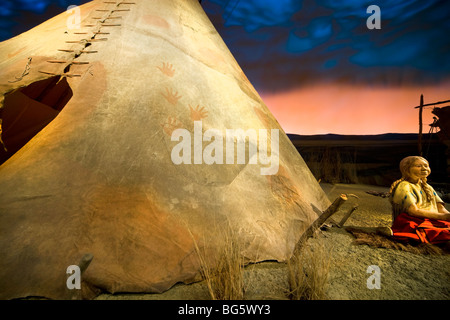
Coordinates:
<point>50,73</point>
<point>320,221</point>
<point>64,74</point>
<point>71,75</point>
<point>347,215</point>
<point>83,265</point>
<point>420,125</point>
<point>90,40</point>
<point>99,18</point>
<point>85,262</point>
<point>432,104</point>
<point>83,51</point>
<point>383,231</point>
<point>115,17</point>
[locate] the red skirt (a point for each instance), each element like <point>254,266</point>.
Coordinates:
<point>406,227</point>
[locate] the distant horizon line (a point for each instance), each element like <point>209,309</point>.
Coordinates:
<point>359,134</point>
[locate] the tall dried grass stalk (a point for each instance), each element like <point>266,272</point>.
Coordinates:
<point>308,271</point>
<point>223,269</point>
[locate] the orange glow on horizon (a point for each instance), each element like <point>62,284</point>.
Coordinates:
<point>359,110</point>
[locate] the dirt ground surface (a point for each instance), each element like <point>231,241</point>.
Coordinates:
<point>403,275</point>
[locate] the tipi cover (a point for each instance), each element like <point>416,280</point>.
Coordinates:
<point>116,119</point>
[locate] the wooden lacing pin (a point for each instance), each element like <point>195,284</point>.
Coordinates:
<point>85,40</point>
<point>82,51</point>
<point>95,40</point>
<point>127,3</point>
<point>50,73</point>
<point>92,32</point>
<point>111,25</point>
<point>99,18</point>
<point>71,75</point>
<point>56,61</point>
<point>121,10</point>
<point>64,61</point>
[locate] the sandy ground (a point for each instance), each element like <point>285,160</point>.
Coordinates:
<point>403,275</point>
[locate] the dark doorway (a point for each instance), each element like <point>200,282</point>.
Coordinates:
<point>27,110</point>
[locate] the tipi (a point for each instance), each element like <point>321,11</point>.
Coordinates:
<point>90,103</point>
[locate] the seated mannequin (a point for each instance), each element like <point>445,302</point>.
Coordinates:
<point>419,214</point>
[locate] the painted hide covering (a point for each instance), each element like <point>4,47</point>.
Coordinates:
<point>88,115</point>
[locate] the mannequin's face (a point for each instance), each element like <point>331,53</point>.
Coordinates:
<point>419,170</point>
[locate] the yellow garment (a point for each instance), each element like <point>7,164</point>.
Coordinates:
<point>407,193</point>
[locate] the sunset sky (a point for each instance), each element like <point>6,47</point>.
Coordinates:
<point>316,64</point>
<point>319,68</point>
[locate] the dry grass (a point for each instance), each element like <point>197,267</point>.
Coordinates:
<point>223,269</point>
<point>308,271</point>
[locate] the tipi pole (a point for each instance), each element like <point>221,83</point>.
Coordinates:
<point>320,221</point>
<point>420,125</point>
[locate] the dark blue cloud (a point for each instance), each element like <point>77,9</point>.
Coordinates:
<point>283,43</point>
<point>302,39</point>
<point>287,43</point>
<point>17,16</point>
<point>255,14</point>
